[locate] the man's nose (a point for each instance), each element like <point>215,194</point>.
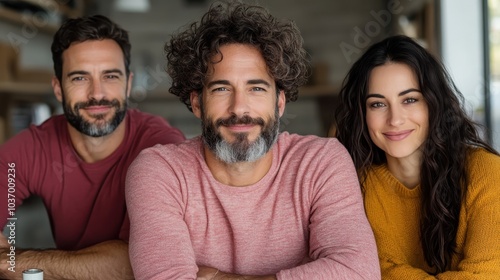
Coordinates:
<point>239,103</point>
<point>96,90</point>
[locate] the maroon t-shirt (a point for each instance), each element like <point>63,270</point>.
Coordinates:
<point>85,201</point>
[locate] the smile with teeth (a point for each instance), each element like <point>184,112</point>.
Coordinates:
<point>397,135</point>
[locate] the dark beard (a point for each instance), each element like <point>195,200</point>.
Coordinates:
<point>101,127</point>
<point>242,150</point>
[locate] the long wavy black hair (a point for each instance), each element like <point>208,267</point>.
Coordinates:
<point>189,53</point>
<point>443,174</point>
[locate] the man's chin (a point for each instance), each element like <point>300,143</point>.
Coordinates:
<point>99,122</point>
<point>234,136</point>
<point>98,118</point>
<point>98,115</point>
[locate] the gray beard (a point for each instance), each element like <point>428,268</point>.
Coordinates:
<point>93,129</point>
<point>241,150</point>
<point>230,153</point>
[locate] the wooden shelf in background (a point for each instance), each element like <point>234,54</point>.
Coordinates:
<point>17,18</point>
<point>17,88</point>
<point>12,93</point>
<point>63,10</point>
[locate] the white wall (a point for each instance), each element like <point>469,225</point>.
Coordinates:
<point>462,50</point>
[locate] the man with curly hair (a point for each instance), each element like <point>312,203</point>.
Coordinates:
<point>243,200</point>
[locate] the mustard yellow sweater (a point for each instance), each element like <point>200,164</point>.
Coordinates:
<point>394,213</point>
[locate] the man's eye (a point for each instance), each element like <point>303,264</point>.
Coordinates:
<point>79,78</point>
<point>220,89</point>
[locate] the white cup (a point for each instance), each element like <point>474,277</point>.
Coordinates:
<point>33,274</point>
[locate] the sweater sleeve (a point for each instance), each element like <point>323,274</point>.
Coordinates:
<point>481,215</point>
<point>159,237</point>
<point>341,242</point>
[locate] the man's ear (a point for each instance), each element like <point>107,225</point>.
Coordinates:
<point>281,102</point>
<point>56,86</point>
<point>129,83</point>
<point>195,103</point>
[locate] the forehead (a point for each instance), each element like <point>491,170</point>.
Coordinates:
<point>392,76</point>
<point>93,53</point>
<point>238,58</point>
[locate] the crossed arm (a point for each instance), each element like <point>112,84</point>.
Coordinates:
<point>210,273</point>
<point>106,260</point>
<point>170,239</point>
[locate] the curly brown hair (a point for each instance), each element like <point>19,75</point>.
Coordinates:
<point>189,53</point>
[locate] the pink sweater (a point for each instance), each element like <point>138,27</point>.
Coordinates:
<point>303,220</point>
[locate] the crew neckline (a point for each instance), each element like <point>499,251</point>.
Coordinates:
<point>105,161</point>
<point>393,184</point>
<point>271,173</point>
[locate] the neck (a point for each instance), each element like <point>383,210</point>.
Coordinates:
<point>93,149</point>
<point>238,174</point>
<point>406,170</point>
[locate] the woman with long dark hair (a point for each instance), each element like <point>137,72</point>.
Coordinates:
<point>430,184</point>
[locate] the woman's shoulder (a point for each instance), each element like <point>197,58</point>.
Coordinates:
<point>313,146</point>
<point>484,171</point>
<point>481,160</point>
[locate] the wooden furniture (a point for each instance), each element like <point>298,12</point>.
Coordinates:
<point>23,20</point>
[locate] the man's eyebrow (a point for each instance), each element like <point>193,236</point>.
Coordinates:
<point>258,82</point>
<point>116,70</point>
<point>218,82</point>
<point>77,72</point>
<point>109,71</point>
<point>249,82</point>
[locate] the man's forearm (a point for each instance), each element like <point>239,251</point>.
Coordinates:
<point>210,273</point>
<point>229,276</point>
<point>107,260</point>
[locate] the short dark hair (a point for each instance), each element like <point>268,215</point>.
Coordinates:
<point>96,27</point>
<point>189,53</point>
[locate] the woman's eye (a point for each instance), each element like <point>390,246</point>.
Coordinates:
<point>258,89</point>
<point>410,100</point>
<point>377,104</point>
